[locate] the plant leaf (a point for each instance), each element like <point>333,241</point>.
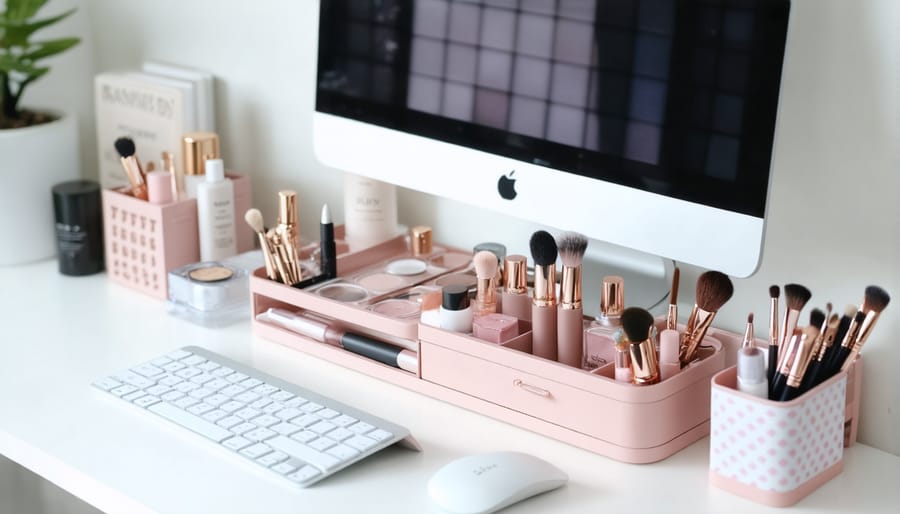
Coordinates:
<point>16,32</point>
<point>41,49</point>
<point>20,10</point>
<point>9,64</point>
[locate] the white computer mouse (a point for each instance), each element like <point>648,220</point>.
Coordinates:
<point>491,481</point>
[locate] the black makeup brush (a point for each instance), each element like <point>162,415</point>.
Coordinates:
<point>799,363</point>
<point>672,314</point>
<point>543,300</point>
<point>795,297</point>
<point>132,166</point>
<point>875,300</point>
<point>713,290</point>
<point>774,293</point>
<point>570,325</point>
<point>814,372</point>
<point>636,324</point>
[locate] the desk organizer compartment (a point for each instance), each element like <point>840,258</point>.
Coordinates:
<point>777,453</point>
<point>144,241</point>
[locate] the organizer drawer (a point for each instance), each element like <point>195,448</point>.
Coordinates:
<point>600,409</point>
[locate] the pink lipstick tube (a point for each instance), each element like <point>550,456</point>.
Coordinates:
<point>543,312</point>
<point>669,345</point>
<point>570,323</point>
<point>514,299</point>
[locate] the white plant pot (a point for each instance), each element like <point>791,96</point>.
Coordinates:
<point>32,161</point>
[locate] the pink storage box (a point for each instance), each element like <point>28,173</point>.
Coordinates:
<point>143,241</point>
<point>777,453</point>
<point>589,410</point>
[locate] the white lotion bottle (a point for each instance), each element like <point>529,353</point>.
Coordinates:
<point>370,211</point>
<point>215,214</point>
<point>455,312</point>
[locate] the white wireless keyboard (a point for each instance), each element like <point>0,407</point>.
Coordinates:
<point>295,433</point>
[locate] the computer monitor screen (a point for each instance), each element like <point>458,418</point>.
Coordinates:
<point>646,123</point>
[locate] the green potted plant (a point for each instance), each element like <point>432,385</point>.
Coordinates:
<point>38,147</point>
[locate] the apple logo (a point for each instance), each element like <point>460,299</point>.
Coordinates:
<point>506,186</point>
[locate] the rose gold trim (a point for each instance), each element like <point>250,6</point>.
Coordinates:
<point>865,328</point>
<point>570,288</point>
<point>515,274</point>
<point>672,317</point>
<point>485,297</point>
<point>421,240</point>
<point>197,147</point>
<point>802,356</point>
<point>544,292</point>
<point>790,323</point>
<point>773,323</point>
<point>612,296</point>
<point>135,174</point>
<point>695,330</point>
<point>644,365</point>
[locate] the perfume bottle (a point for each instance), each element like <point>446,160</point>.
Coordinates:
<point>601,338</point>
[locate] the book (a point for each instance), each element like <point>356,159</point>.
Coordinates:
<point>203,90</point>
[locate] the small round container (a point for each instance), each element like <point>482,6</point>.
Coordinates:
<point>79,227</point>
<point>455,312</point>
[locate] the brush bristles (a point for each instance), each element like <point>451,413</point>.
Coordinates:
<point>636,323</point>
<point>485,264</point>
<point>816,318</point>
<point>829,307</point>
<point>850,310</point>
<point>774,291</point>
<point>125,146</point>
<point>750,318</point>
<point>714,288</point>
<point>572,246</point>
<point>543,248</point>
<point>876,299</point>
<point>673,293</point>
<point>796,296</point>
<point>254,218</point>
<point>834,321</point>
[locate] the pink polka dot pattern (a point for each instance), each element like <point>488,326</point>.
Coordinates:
<point>786,446</point>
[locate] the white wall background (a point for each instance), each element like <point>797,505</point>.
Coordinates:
<point>834,220</point>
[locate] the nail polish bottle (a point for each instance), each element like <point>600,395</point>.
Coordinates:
<point>600,339</point>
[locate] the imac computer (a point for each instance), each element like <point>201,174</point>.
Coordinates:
<point>648,124</point>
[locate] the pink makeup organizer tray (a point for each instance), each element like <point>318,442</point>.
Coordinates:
<point>590,410</point>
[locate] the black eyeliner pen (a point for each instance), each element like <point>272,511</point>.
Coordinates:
<point>328,251</point>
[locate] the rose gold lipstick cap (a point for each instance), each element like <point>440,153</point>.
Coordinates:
<point>287,207</point>
<point>420,237</point>
<point>612,297</point>
<point>515,274</point>
<point>197,148</point>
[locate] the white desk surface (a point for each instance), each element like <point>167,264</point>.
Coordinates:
<point>60,333</point>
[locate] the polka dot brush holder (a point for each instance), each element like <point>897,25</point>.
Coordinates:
<point>777,453</point>
<point>144,241</point>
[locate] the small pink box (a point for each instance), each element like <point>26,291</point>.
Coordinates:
<point>495,328</point>
<point>777,453</point>
<point>143,241</point>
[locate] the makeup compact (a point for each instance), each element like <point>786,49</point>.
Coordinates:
<point>213,294</point>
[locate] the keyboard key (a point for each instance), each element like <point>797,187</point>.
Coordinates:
<point>229,421</point>
<point>261,403</point>
<point>247,413</point>
<point>265,420</point>
<point>260,434</point>
<point>360,428</point>
<point>361,443</point>
<point>256,451</point>
<point>272,458</point>
<point>186,387</point>
<point>201,393</point>
<point>321,444</point>
<point>172,367</point>
<point>193,360</point>
<point>200,409</point>
<point>305,436</point>
<point>284,468</point>
<point>265,389</point>
<point>187,373</point>
<point>122,390</point>
<point>328,413</point>
<point>236,443</point>
<point>216,399</point>
<point>378,435</point>
<point>236,377</point>
<point>339,434</point>
<point>322,427</point>
<point>134,379</point>
<point>184,403</point>
<point>191,422</point>
<point>288,414</point>
<point>208,366</point>
<point>281,396</point>
<point>344,420</point>
<point>245,426</point>
<point>323,461</point>
<point>342,452</point>
<point>107,383</point>
<point>160,361</point>
<point>202,378</point>
<point>250,383</point>
<point>222,372</point>
<point>305,420</point>
<point>272,408</point>
<point>178,355</point>
<point>284,428</point>
<point>311,407</point>
<point>232,390</point>
<point>247,397</point>
<point>158,390</point>
<point>171,396</point>
<point>147,370</point>
<point>304,474</point>
<point>134,396</point>
<point>215,415</point>
<point>295,402</point>
<point>231,406</point>
<point>146,401</point>
<point>171,381</point>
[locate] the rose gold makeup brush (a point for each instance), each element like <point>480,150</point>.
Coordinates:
<point>748,340</point>
<point>636,324</point>
<point>798,363</point>
<point>816,367</point>
<point>254,218</point>
<point>795,297</point>
<point>543,302</point>
<point>132,166</point>
<point>570,314</point>
<point>672,316</point>
<point>876,300</point>
<point>486,267</point>
<point>713,290</point>
<point>774,341</point>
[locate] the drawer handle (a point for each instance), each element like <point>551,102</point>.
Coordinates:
<point>531,389</point>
